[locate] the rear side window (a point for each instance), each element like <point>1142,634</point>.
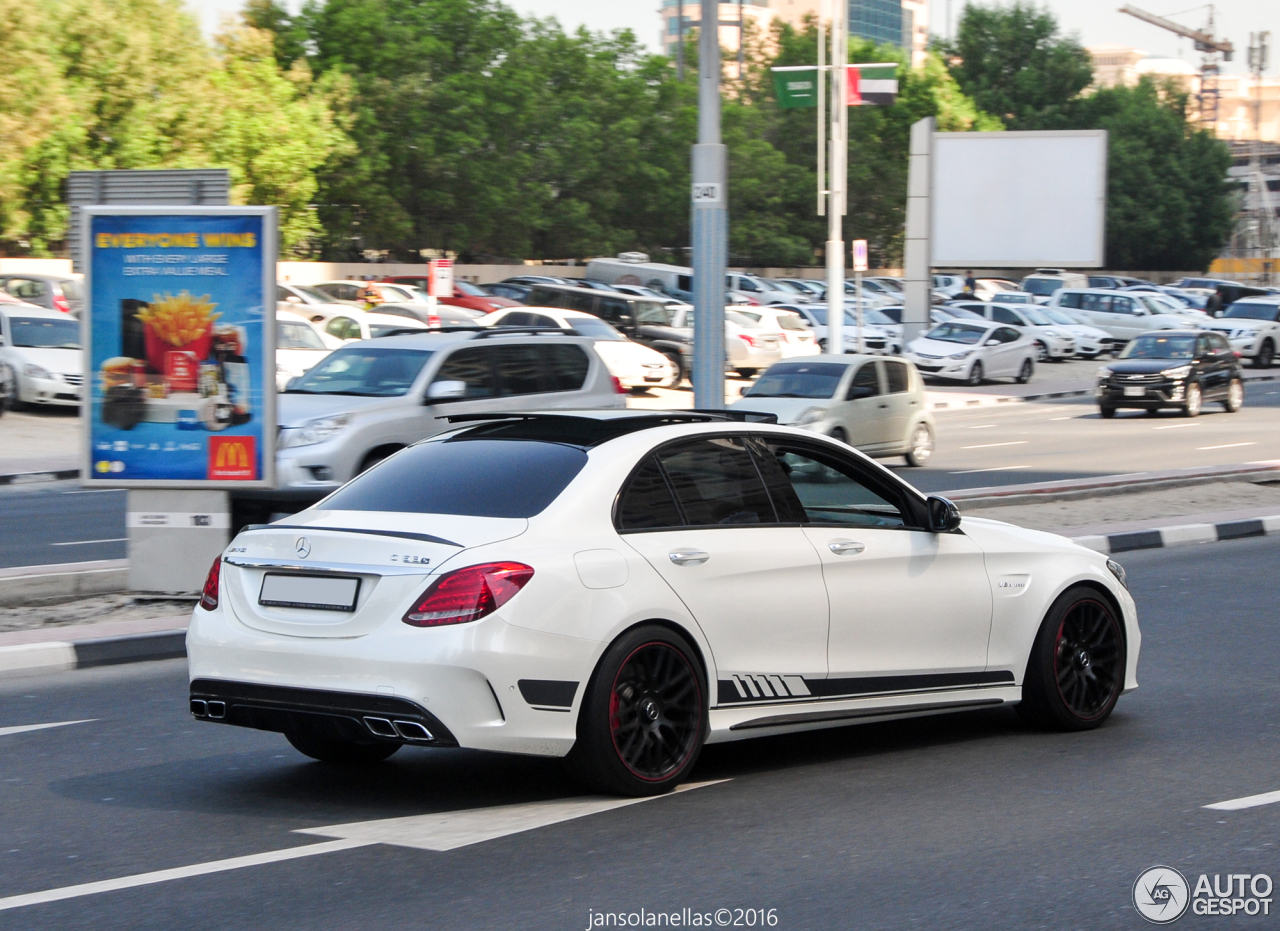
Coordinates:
<point>613,309</point>
<point>519,369</point>
<point>716,483</point>
<point>545,297</point>
<point>1122,305</point>
<point>567,367</point>
<point>896,373</point>
<point>475,478</point>
<point>1002,315</point>
<point>470,365</point>
<point>1100,303</point>
<point>646,502</point>
<point>1070,300</point>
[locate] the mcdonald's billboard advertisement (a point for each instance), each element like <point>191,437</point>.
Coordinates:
<point>179,339</point>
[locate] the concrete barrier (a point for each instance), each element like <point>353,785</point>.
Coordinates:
<point>27,584</point>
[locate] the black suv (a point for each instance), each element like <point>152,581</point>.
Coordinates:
<point>645,321</point>
<point>1172,368</point>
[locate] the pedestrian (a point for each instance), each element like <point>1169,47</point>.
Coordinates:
<point>1213,306</point>
<point>970,284</point>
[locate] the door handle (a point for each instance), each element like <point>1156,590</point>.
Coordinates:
<point>882,406</point>
<point>689,557</point>
<point>846,548</point>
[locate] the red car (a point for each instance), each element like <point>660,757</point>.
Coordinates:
<point>465,294</point>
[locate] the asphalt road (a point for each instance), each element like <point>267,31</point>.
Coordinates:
<point>976,447</point>
<point>965,821</point>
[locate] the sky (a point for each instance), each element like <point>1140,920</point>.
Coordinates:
<point>1094,21</point>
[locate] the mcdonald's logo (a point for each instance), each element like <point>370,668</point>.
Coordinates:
<point>232,458</point>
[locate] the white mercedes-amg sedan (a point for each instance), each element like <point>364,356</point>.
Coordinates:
<point>621,587</point>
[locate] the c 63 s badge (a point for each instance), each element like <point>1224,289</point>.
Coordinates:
<point>412,560</point>
<point>1161,894</point>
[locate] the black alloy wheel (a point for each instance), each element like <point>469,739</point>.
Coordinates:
<point>1266,353</point>
<point>643,716</point>
<point>1076,669</point>
<point>1235,396</point>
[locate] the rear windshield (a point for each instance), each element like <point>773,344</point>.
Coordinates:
<point>1041,286</point>
<point>799,380</point>
<point>470,477</point>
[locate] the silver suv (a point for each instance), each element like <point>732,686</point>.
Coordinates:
<point>371,398</point>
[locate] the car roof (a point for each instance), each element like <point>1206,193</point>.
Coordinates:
<point>445,337</point>
<point>1257,299</point>
<point>557,311</point>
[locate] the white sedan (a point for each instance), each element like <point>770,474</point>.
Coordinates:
<point>974,351</point>
<point>40,357</point>
<point>637,367</point>
<point>621,587</point>
<point>299,346</point>
<point>349,324</point>
<point>1091,341</point>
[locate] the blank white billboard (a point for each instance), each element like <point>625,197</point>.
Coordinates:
<point>1019,199</point>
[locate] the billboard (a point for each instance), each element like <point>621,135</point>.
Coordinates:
<point>1019,199</point>
<point>179,338</point>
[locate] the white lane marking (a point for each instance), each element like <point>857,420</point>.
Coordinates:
<point>1248,801</point>
<point>95,491</point>
<point>992,445</point>
<point>996,469</point>
<point>425,832</point>
<point>1227,446</point>
<point>90,542</point>
<point>450,830</point>
<point>1176,426</point>
<point>1061,418</point>
<point>23,728</point>
<point>181,872</point>
<point>980,426</point>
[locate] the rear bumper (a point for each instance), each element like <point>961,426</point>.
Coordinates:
<point>334,715</point>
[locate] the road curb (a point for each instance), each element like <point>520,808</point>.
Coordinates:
<point>1181,535</point>
<point>25,584</point>
<point>34,659</point>
<point>49,475</point>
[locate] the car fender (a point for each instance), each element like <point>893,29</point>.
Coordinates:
<point>1028,571</point>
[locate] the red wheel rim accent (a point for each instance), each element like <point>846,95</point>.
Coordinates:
<point>1088,659</point>
<point>655,711</point>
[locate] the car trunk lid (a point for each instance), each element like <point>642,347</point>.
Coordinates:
<point>344,573</point>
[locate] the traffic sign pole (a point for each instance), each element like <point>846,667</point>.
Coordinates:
<point>710,224</point>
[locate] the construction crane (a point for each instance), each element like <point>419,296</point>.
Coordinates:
<point>1206,43</point>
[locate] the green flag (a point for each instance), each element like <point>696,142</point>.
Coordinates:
<point>796,86</point>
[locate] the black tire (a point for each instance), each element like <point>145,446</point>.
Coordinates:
<point>1266,355</point>
<point>746,373</point>
<point>975,375</point>
<point>1235,396</point>
<point>1106,411</point>
<point>344,752</point>
<point>637,390</point>
<point>839,435</point>
<point>1042,352</point>
<point>644,715</point>
<point>374,458</point>
<point>1024,374</point>
<point>677,367</point>
<point>1075,672</point>
<point>1153,412</point>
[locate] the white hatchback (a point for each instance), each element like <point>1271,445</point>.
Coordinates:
<point>40,357</point>
<point>621,587</point>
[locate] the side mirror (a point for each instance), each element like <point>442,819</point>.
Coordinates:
<point>992,342</point>
<point>944,516</point>
<point>447,390</point>
<point>293,299</point>
<point>743,389</point>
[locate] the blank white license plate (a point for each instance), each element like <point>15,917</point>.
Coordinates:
<point>1135,392</point>
<point>309,591</point>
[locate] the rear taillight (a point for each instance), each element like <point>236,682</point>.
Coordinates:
<point>60,303</point>
<point>749,340</point>
<point>433,320</point>
<point>617,386</point>
<point>209,597</point>
<point>468,594</point>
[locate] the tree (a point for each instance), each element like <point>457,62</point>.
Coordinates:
<point>1169,206</point>
<point>1014,64</point>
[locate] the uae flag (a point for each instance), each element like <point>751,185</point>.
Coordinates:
<point>872,85</point>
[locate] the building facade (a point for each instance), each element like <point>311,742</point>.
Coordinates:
<point>904,23</point>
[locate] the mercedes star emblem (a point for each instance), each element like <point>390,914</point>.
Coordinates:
<point>302,547</point>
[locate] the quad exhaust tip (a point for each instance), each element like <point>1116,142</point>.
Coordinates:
<point>405,730</point>
<point>211,710</point>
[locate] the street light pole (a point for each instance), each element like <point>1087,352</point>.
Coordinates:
<point>710,221</point>
<point>838,175</point>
